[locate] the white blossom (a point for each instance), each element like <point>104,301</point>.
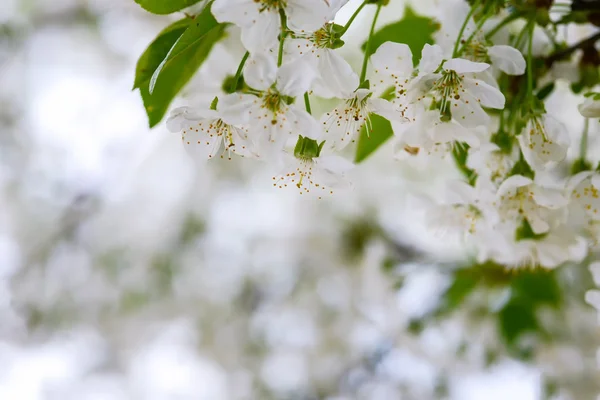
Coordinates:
<point>544,141</point>
<point>334,76</point>
<point>584,192</point>
<point>205,134</point>
<point>519,199</point>
<point>343,124</point>
<point>316,176</point>
<point>491,163</point>
<point>590,108</point>
<point>271,116</point>
<point>432,135</point>
<point>260,22</point>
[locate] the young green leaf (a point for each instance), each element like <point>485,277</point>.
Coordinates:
<point>179,64</point>
<point>413,29</point>
<point>165,6</point>
<point>157,51</point>
<point>372,135</point>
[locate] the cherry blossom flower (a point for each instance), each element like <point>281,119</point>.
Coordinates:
<point>335,76</point>
<point>393,67</point>
<point>205,135</point>
<point>583,190</point>
<point>432,135</point>
<point>544,141</point>
<point>491,163</point>
<point>272,118</point>
<point>519,198</point>
<point>342,125</point>
<point>310,172</point>
<point>590,108</point>
<point>461,95</point>
<point>260,21</point>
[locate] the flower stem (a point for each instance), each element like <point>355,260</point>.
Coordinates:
<point>462,29</point>
<point>238,73</point>
<point>584,139</point>
<point>363,71</point>
<point>358,10</point>
<point>307,103</point>
<point>502,24</point>
<point>530,60</point>
<point>283,19</point>
<point>472,35</point>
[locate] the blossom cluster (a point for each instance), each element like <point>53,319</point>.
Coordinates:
<point>449,106</point>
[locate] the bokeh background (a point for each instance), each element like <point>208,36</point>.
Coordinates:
<point>130,271</point>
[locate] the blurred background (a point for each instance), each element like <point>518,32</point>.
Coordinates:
<point>130,271</point>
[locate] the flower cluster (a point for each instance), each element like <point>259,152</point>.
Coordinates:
<point>450,106</point>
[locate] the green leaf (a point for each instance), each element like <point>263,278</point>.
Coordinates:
<point>179,64</point>
<point>165,6</point>
<point>372,135</point>
<point>516,319</point>
<point>158,50</point>
<point>413,29</point>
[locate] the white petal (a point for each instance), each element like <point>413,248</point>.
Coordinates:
<point>431,58</point>
<point>261,35</point>
<point>306,15</point>
<point>485,94</point>
<point>294,79</point>
<point>576,179</point>
<point>507,59</point>
<point>590,108</point>
<point>181,116</point>
<point>201,140</point>
<point>394,58</point>
<point>513,182</point>
<point>468,112</point>
<point>538,225</point>
<point>459,192</point>
<point>335,77</point>
<point>549,198</point>
<point>294,48</point>
<point>446,132</point>
<point>239,12</point>
<point>305,124</point>
<point>386,109</point>
<point>260,71</point>
<point>556,130</point>
<point>235,108</point>
<point>335,164</point>
<point>461,66</point>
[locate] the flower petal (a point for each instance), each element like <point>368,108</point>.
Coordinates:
<point>507,59</point>
<point>485,94</point>
<point>511,183</point>
<point>431,58</point>
<point>260,71</point>
<point>394,58</point>
<point>462,66</point>
<point>294,79</point>
<point>335,77</point>
<point>235,108</point>
<point>305,124</point>
<point>261,34</point>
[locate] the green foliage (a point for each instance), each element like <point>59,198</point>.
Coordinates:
<point>372,135</point>
<point>157,51</point>
<point>172,59</point>
<point>165,6</point>
<point>515,319</point>
<point>413,29</point>
<point>545,91</point>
